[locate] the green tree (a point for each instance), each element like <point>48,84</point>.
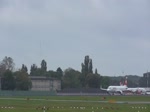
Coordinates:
<point>7,64</point>
<point>71,78</point>
<point>90,66</point>
<point>8,81</point>
<point>33,69</point>
<point>52,74</point>
<point>87,67</point>
<point>24,68</point>
<point>114,82</point>
<point>43,66</point>
<point>42,71</point>
<point>86,64</point>
<point>92,80</point>
<point>83,75</point>
<point>2,69</point>
<point>59,72</point>
<point>39,72</point>
<point>105,81</point>
<point>22,80</point>
<point>96,71</point>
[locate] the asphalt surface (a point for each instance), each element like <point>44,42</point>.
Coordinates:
<point>118,102</point>
<point>95,94</point>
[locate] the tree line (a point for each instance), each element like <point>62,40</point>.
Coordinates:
<point>70,78</point>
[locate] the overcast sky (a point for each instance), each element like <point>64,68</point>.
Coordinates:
<point>114,33</point>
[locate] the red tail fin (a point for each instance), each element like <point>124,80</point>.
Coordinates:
<point>126,82</point>
<point>121,84</point>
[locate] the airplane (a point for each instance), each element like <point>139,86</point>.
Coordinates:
<point>111,90</point>
<point>115,89</point>
<point>137,90</point>
<point>122,89</point>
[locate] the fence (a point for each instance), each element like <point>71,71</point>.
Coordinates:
<point>27,93</point>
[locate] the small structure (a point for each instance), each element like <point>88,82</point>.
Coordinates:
<point>0,83</point>
<point>146,75</point>
<point>43,83</point>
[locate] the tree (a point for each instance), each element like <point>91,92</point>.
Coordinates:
<point>86,64</point>
<point>90,66</point>
<point>87,67</point>
<point>7,64</point>
<point>8,81</point>
<point>33,69</point>
<point>96,71</point>
<point>59,72</point>
<point>22,81</point>
<point>71,79</point>
<point>2,69</point>
<point>43,66</point>
<point>92,80</point>
<point>105,81</point>
<point>39,71</point>
<point>52,74</point>
<point>83,75</point>
<point>24,68</point>
<point>114,82</point>
<point>82,68</point>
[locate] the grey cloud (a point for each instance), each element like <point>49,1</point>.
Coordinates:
<point>112,30</point>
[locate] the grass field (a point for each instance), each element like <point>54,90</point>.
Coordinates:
<point>75,104</point>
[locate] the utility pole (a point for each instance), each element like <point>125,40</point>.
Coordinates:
<point>147,79</point>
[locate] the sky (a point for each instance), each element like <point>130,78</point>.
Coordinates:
<point>114,33</point>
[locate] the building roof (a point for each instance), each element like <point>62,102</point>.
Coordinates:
<point>41,78</point>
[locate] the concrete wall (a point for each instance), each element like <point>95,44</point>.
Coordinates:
<point>45,84</point>
<point>40,85</point>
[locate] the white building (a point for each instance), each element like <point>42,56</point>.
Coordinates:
<point>42,83</point>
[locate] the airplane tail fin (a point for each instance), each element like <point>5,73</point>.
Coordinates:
<point>126,82</point>
<point>121,83</point>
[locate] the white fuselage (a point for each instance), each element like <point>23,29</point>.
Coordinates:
<point>116,89</point>
<point>123,89</point>
<point>137,90</point>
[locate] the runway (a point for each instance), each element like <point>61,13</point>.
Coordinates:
<point>96,94</point>
<point>84,101</point>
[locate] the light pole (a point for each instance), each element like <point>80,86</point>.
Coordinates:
<point>147,79</point>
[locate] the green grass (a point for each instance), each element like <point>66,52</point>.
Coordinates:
<point>74,104</point>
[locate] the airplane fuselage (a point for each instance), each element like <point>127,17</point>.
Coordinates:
<point>122,89</point>
<point>137,90</point>
<point>116,89</point>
